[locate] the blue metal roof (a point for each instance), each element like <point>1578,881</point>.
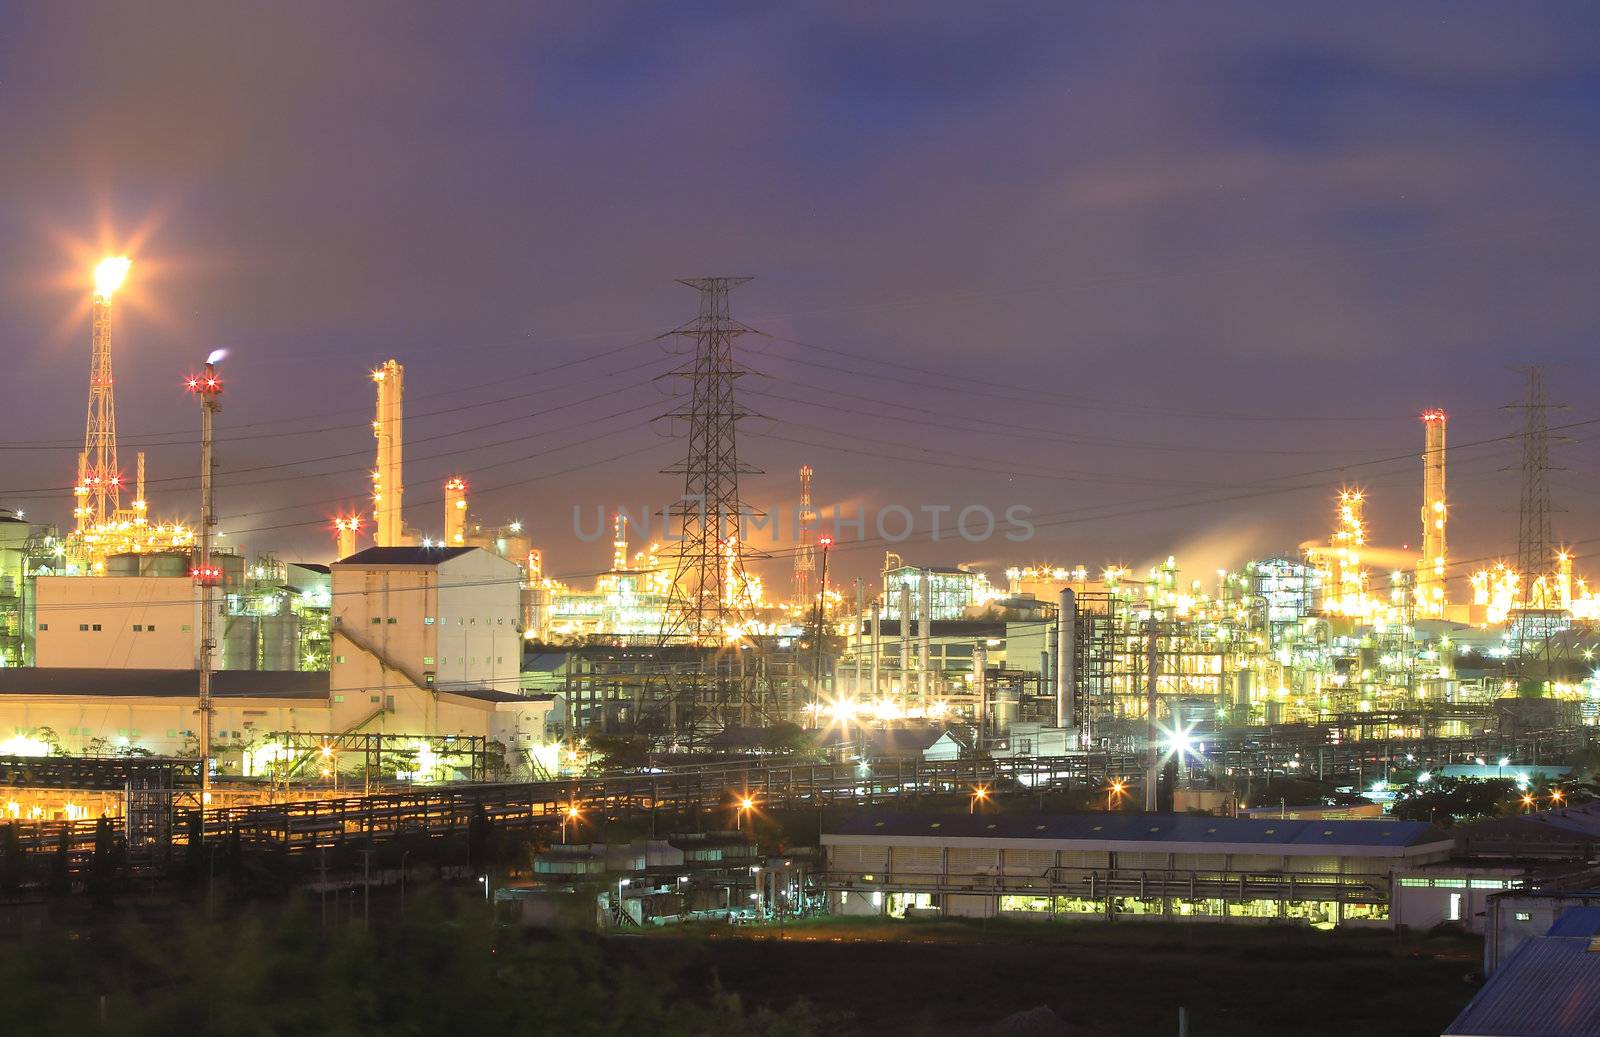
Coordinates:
<point>1577,921</point>
<point>1154,828</point>
<point>1549,988</point>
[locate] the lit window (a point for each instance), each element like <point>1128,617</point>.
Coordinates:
<point>1524,916</point>
<point>1455,907</point>
<point>427,621</point>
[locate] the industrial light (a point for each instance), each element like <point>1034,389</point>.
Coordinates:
<point>109,275</point>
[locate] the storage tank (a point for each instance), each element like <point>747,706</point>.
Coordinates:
<point>165,563</point>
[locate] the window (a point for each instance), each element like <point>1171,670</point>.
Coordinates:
<point>97,626</point>
<point>427,621</point>
<point>373,698</point>
<point>138,629</point>
<point>338,698</point>
<point>184,628</point>
<point>1415,883</point>
<point>377,620</point>
<point>150,629</point>
<point>338,658</point>
<point>1449,883</point>
<point>44,626</point>
<point>1455,907</point>
<point>427,660</point>
<point>391,621</point>
<point>83,627</point>
<point>1524,916</point>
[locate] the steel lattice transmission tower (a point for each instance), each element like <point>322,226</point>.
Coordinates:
<point>1535,540</point>
<point>710,589</point>
<point>98,491</point>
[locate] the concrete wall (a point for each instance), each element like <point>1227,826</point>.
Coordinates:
<point>117,622</point>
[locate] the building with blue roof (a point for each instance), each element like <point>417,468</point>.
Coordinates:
<point>1113,865</point>
<point>1548,987</point>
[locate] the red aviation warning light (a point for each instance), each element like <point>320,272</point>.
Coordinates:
<point>207,575</point>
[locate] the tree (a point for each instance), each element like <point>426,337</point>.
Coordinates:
<point>480,838</point>
<point>103,866</point>
<point>1448,801</point>
<point>61,867</point>
<point>10,859</point>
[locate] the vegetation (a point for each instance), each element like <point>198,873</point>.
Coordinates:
<point>442,968</point>
<point>1449,801</point>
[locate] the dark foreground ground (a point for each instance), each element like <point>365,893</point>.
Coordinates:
<point>1127,978</point>
<point>442,966</point>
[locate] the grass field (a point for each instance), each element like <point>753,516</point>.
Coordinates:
<point>1128,978</point>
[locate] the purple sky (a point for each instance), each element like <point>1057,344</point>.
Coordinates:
<point>1125,261</point>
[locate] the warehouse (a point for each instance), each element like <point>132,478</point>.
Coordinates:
<point>1111,865</point>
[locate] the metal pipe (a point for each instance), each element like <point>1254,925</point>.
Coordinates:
<point>924,637</point>
<point>857,637</point>
<point>905,641</point>
<point>980,677</point>
<point>877,648</point>
<point>1152,757</point>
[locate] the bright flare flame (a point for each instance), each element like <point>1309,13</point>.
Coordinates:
<point>217,355</point>
<point>108,276</point>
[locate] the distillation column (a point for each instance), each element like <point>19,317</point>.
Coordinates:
<point>1066,659</point>
<point>1431,575</point>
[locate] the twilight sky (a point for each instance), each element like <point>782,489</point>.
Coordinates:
<point>1165,274</point>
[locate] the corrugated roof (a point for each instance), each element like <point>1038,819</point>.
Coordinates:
<point>1154,828</point>
<point>1550,987</point>
<point>89,681</point>
<point>405,555</point>
<point>1577,921</point>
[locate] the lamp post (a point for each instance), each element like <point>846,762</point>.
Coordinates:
<point>206,387</point>
<point>568,816</point>
<point>980,794</point>
<point>746,804</point>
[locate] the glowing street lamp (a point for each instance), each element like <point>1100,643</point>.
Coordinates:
<point>568,816</point>
<point>980,793</point>
<point>746,804</point>
<point>1116,789</point>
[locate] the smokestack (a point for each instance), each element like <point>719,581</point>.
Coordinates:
<point>1431,574</point>
<point>455,512</point>
<point>349,530</point>
<point>388,485</point>
<point>1066,658</point>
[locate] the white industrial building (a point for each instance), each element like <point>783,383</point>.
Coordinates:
<point>409,623</point>
<point>116,622</point>
<point>1116,865</point>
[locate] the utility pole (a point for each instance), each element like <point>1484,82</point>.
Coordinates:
<point>206,387</point>
<point>1152,742</point>
<point>822,594</point>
